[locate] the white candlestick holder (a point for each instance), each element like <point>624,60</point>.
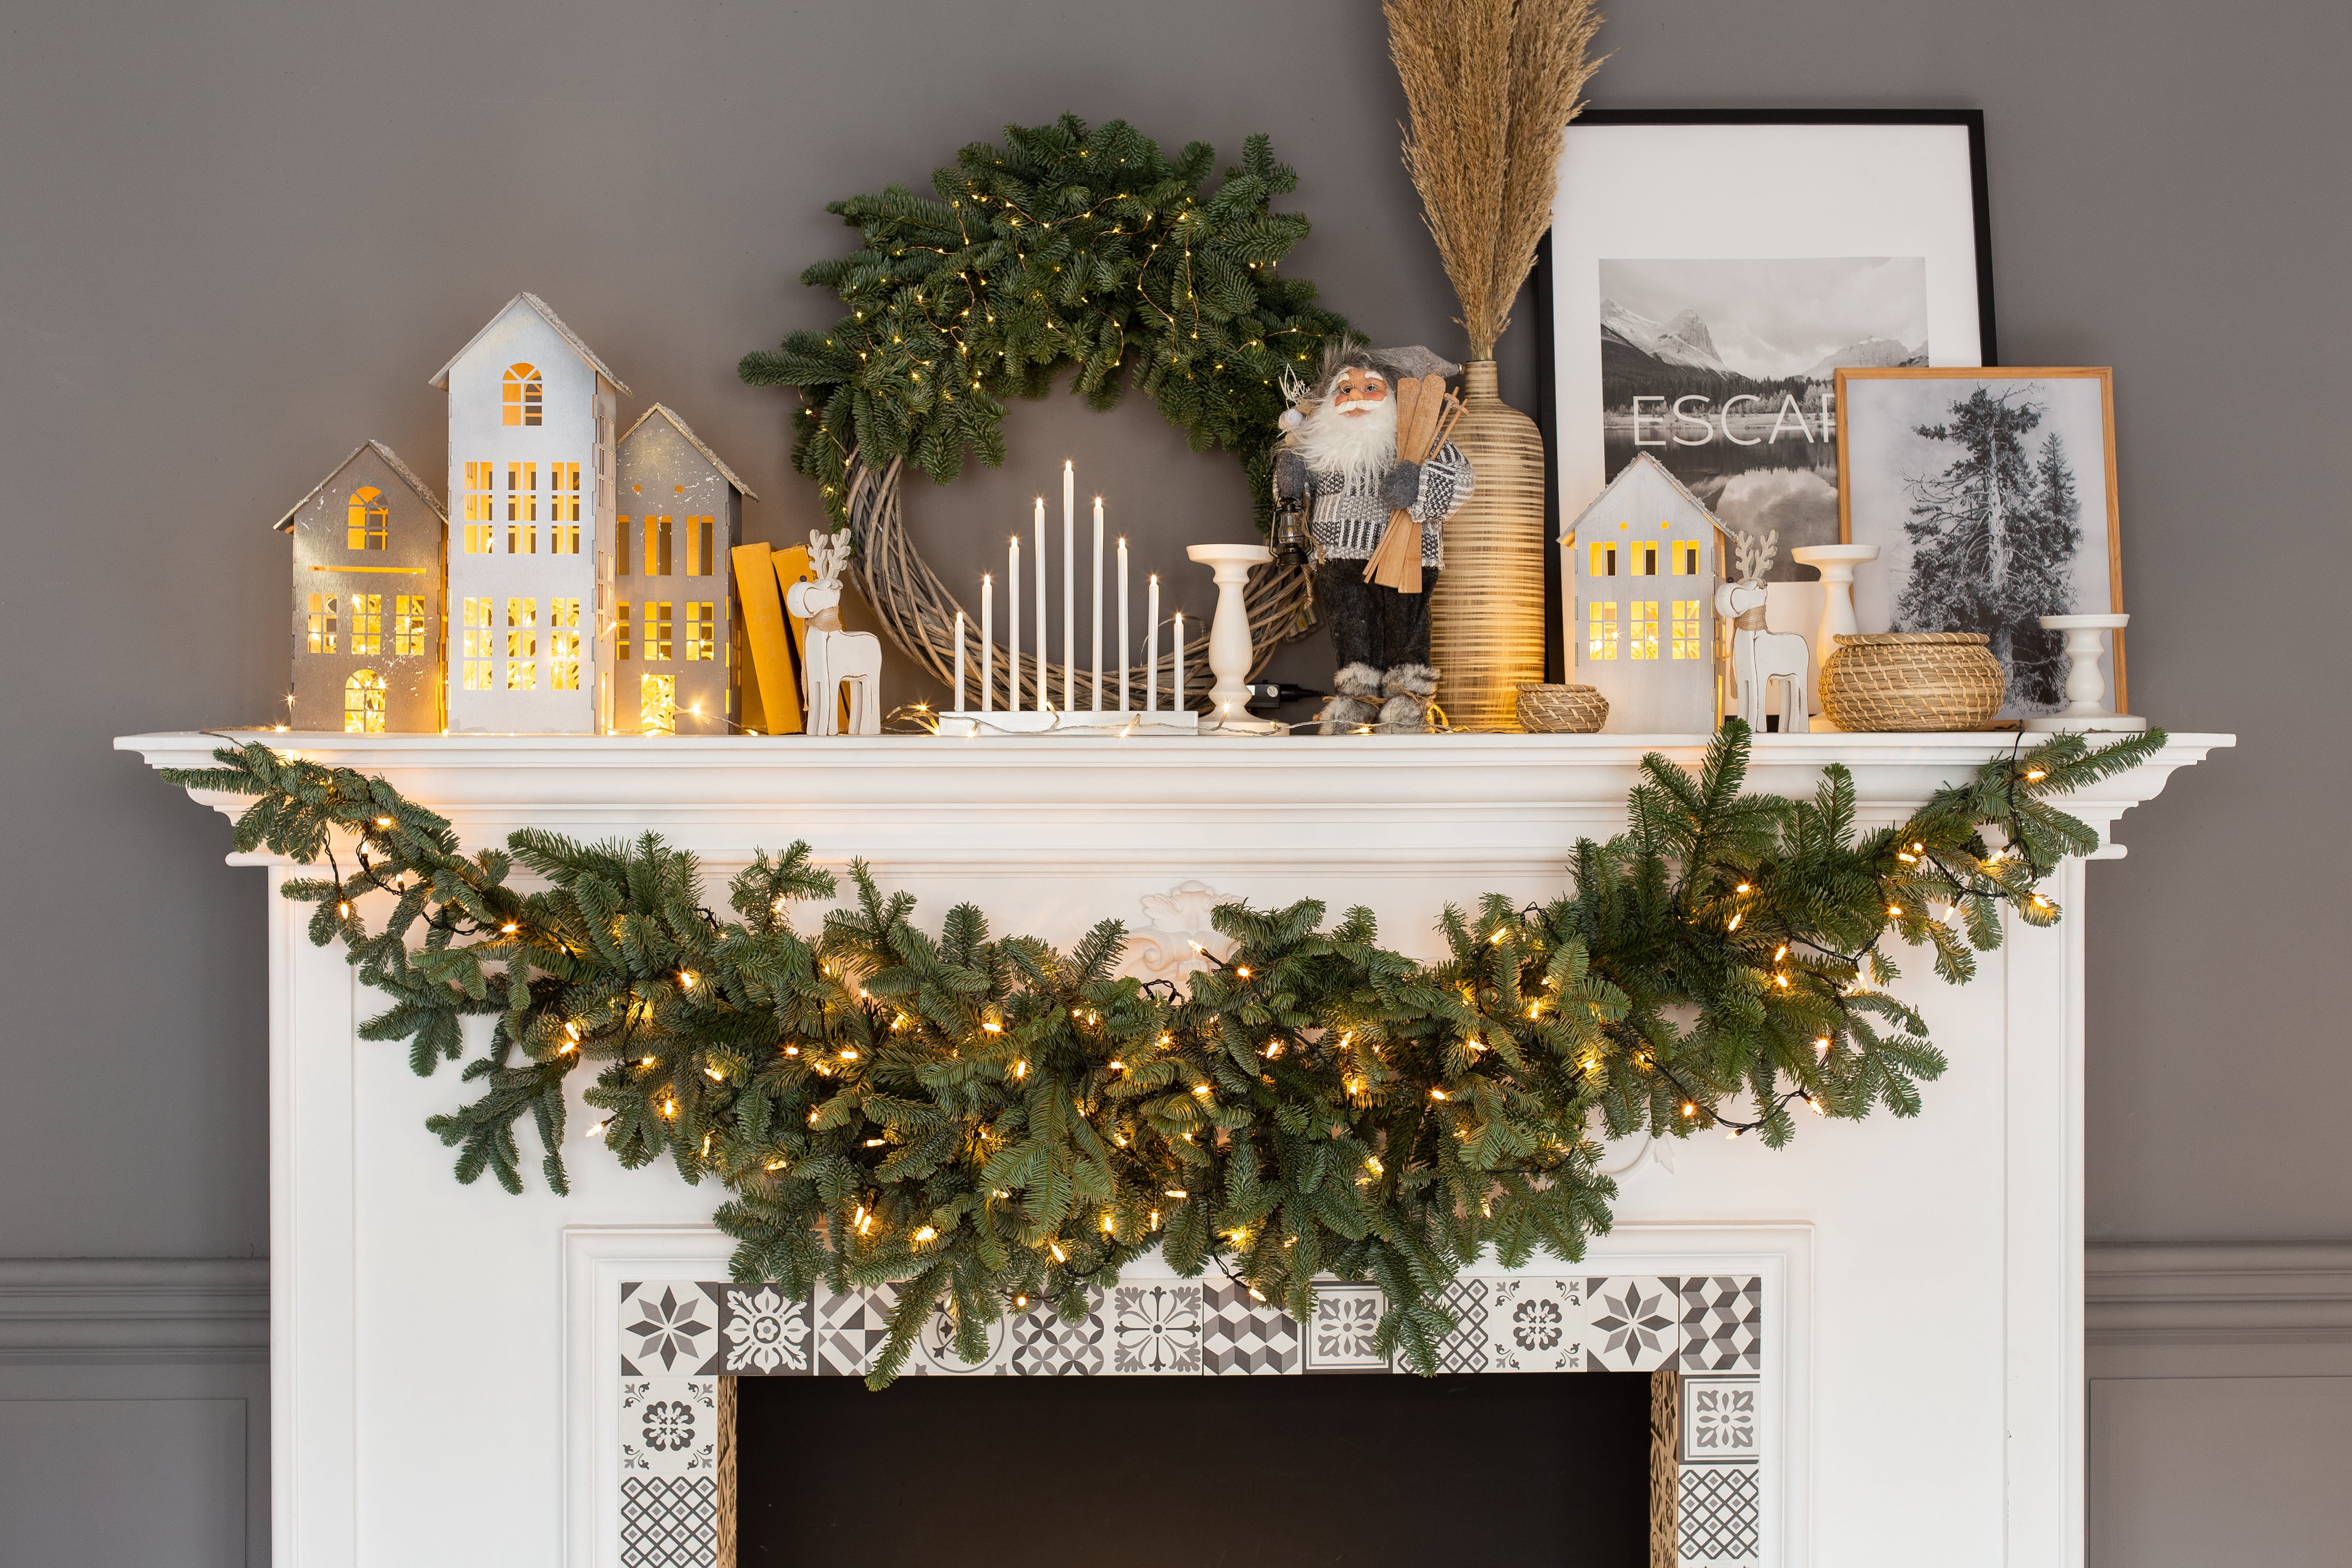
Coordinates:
<point>2087,684</point>
<point>1229,636</point>
<point>1836,564</point>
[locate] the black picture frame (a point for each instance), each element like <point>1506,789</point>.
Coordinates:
<point>1544,310</point>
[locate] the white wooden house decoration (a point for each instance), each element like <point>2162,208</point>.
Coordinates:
<point>531,412</point>
<point>367,599</point>
<point>676,667</point>
<point>1643,560</point>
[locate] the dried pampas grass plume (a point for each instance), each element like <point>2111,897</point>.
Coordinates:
<point>1490,86</point>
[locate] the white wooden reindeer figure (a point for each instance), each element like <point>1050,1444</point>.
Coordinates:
<point>834,658</point>
<point>1759,657</point>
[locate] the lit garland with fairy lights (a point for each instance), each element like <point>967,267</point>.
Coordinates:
<point>1064,248</point>
<point>987,1122</point>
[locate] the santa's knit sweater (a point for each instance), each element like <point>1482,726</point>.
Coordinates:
<point>1349,518</point>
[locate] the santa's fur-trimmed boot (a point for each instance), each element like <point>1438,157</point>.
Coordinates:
<point>1355,703</point>
<point>1409,689</point>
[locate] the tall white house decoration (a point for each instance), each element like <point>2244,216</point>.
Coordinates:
<point>367,599</point>
<point>1645,559</point>
<point>676,667</point>
<point>531,412</point>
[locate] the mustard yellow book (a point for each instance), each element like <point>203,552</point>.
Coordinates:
<point>777,694</point>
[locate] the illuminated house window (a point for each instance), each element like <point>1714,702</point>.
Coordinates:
<point>522,509</point>
<point>368,521</point>
<point>480,504</point>
<point>363,703</point>
<point>1604,561</point>
<point>563,645</point>
<point>322,623</point>
<point>410,633</point>
<point>620,629</point>
<point>1685,557</point>
<point>522,645</point>
<point>657,704</point>
<point>1600,631</point>
<point>564,509</point>
<point>1642,561</point>
<point>367,624</point>
<point>701,632</point>
<point>655,631</point>
<point>621,547</point>
<point>1644,638</point>
<point>656,561</point>
<point>479,648</point>
<point>522,395</point>
<point>698,548</point>
<point>1688,632</point>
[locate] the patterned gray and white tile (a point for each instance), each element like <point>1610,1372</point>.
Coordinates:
<point>1633,1322</point>
<point>669,1426</point>
<point>1720,1516</point>
<point>1046,1346</point>
<point>1467,1349</point>
<point>1537,1323</point>
<point>1339,1338</point>
<point>1243,1337</point>
<point>851,1329</point>
<point>668,1328</point>
<point>1155,1329</point>
<point>669,1522</point>
<point>761,1333</point>
<point>1720,1420</point>
<point>1723,1323</point>
<point>936,1350</point>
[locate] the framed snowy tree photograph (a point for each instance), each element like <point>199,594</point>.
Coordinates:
<point>1992,497</point>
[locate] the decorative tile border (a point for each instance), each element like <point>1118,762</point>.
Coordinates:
<point>678,1338</point>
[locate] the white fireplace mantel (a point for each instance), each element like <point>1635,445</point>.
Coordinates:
<point>435,1348</point>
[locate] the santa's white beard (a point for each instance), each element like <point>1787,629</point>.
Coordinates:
<point>1360,446</point>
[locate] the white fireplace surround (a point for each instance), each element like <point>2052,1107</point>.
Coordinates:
<point>449,1364</point>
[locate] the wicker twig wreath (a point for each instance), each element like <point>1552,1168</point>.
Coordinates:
<point>1064,248</point>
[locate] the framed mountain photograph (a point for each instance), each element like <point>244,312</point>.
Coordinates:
<point>1709,273</point>
<point>1992,497</point>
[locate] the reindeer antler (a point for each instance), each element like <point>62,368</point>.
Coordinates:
<point>1756,555</point>
<point>827,554</point>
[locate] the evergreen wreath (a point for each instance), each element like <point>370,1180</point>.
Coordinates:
<point>1062,247</point>
<point>985,1120</point>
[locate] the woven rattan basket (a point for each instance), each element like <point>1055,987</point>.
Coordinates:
<point>1561,710</point>
<point>1913,681</point>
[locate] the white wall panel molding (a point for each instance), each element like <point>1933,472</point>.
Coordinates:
<point>133,1308</point>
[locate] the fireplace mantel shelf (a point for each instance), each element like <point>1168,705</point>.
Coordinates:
<point>1913,1341</point>
<point>1460,800</point>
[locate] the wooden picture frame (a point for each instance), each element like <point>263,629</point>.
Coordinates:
<point>1867,480</point>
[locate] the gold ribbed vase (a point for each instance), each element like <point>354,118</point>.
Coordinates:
<point>1486,618</point>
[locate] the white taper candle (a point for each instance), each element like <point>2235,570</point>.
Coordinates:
<point>1098,587</point>
<point>1069,587</point>
<point>1013,681</point>
<point>1124,648</point>
<point>958,681</point>
<point>987,642</point>
<point>1178,661</point>
<point>1151,645</point>
<point>1045,671</point>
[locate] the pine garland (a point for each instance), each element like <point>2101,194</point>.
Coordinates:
<point>985,1120</point>
<point>1063,248</point>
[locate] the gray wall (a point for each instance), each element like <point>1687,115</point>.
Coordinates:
<point>236,238</point>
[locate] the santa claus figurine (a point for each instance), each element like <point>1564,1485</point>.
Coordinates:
<point>1341,463</point>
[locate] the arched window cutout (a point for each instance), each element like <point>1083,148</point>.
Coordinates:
<point>369,520</point>
<point>521,394</point>
<point>363,703</point>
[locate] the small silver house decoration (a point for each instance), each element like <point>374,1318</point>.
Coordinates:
<point>367,599</point>
<point>676,667</point>
<point>1645,559</point>
<point>531,412</point>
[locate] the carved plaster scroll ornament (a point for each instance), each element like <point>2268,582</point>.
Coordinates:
<point>1177,934</point>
